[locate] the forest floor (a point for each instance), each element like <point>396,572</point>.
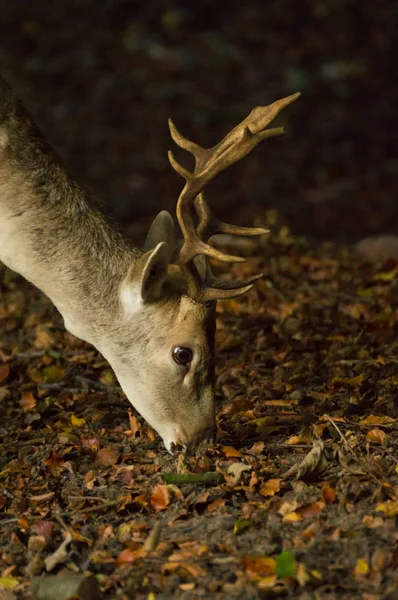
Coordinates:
<point>303,499</point>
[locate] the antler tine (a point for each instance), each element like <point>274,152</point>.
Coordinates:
<point>209,224</point>
<point>208,164</point>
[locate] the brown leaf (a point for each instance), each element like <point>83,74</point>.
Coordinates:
<point>216,504</point>
<point>378,420</point>
<point>4,372</point>
<point>259,566</point>
<point>329,494</point>
<point>377,436</point>
<point>160,497</point>
<point>314,461</point>
<point>271,487</point>
<point>27,401</point>
<point>107,457</point>
<point>231,452</point>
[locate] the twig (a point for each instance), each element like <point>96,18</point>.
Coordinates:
<point>357,459</point>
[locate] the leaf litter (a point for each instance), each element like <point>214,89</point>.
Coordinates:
<point>298,497</point>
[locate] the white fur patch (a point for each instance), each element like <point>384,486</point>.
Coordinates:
<point>130,298</point>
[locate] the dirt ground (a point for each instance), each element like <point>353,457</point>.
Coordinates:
<point>307,371</point>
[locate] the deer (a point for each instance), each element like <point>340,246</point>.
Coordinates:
<point>149,311</point>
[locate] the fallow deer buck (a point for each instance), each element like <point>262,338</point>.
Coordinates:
<point>152,320</point>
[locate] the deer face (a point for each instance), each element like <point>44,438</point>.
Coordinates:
<point>162,345</point>
<point>166,367</point>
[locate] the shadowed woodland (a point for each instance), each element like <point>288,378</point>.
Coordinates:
<point>298,499</point>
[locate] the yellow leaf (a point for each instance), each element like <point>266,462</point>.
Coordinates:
<point>362,567</point>
<point>76,422</point>
<point>385,276</point>
<point>292,517</point>
<point>8,582</point>
<point>265,583</point>
<point>389,508</point>
<point>377,420</point>
<point>316,574</point>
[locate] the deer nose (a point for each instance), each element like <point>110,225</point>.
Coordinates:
<point>191,439</point>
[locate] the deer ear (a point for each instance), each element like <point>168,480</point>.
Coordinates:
<point>161,230</point>
<point>145,278</point>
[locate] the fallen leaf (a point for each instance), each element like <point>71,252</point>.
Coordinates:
<point>285,565</point>
<point>315,461</point>
<point>236,470</point>
<point>27,401</point>
<point>377,436</point>
<point>160,497</point>
<point>4,372</point>
<point>259,566</point>
<point>216,504</point>
<point>76,422</point>
<point>329,494</point>
<point>231,452</point>
<point>106,457</point>
<point>378,420</point>
<point>361,568</point>
<point>8,582</point>
<point>240,525</point>
<point>389,508</point>
<point>270,487</point>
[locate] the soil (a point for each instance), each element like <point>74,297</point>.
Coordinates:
<point>307,371</point>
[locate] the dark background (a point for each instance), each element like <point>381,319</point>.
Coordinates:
<point>102,77</point>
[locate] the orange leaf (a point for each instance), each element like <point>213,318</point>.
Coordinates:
<point>106,457</point>
<point>377,436</point>
<point>216,504</point>
<point>27,401</point>
<point>259,566</point>
<point>231,452</point>
<point>310,510</point>
<point>270,487</point>
<point>160,497</point>
<point>128,556</point>
<point>4,372</point>
<point>328,494</point>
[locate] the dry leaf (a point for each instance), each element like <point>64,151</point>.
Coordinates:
<point>106,457</point>
<point>270,487</point>
<point>328,494</point>
<point>377,436</point>
<point>216,504</point>
<point>231,452</point>
<point>315,461</point>
<point>236,470</point>
<point>160,497</point>
<point>27,401</point>
<point>4,372</point>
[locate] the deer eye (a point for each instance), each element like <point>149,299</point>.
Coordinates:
<point>182,355</point>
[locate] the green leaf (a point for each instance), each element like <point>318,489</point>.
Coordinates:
<point>285,565</point>
<point>240,525</point>
<point>52,374</point>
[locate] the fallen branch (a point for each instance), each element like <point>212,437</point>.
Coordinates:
<point>208,478</point>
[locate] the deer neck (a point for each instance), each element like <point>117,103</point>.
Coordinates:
<point>52,234</point>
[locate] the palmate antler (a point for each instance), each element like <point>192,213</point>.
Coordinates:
<point>209,162</point>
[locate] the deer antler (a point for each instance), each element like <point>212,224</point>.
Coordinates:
<point>209,162</point>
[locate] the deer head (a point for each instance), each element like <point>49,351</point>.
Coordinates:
<point>152,319</point>
<point>170,309</point>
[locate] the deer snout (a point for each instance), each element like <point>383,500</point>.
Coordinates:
<point>190,439</point>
